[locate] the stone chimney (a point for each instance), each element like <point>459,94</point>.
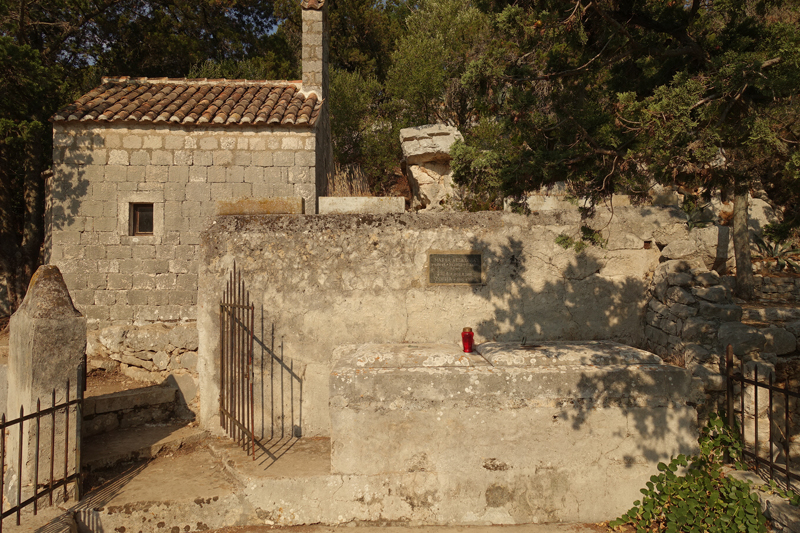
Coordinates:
<point>315,46</point>
<point>315,78</point>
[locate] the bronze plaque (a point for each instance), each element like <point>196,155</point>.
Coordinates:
<point>455,268</point>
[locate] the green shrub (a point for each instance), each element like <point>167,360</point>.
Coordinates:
<point>702,499</point>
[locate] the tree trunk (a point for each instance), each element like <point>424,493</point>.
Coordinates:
<point>33,225</point>
<point>745,282</point>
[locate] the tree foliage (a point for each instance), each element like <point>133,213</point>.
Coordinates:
<point>613,94</point>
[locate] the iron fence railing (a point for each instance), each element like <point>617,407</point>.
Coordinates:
<point>752,448</point>
<point>236,318</point>
<point>27,488</point>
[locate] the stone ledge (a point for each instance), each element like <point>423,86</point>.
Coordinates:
<point>128,399</point>
<point>349,205</point>
<point>279,205</point>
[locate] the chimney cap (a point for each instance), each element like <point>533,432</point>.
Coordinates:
<point>312,4</point>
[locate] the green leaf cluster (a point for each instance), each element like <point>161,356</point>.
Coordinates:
<point>589,237</point>
<point>779,251</point>
<point>691,494</point>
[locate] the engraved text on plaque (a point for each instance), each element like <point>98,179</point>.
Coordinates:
<point>454,268</point>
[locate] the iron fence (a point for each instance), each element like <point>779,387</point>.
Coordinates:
<point>26,488</point>
<point>751,448</point>
<point>237,317</point>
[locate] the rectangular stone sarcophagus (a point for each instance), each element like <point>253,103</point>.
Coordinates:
<point>555,431</point>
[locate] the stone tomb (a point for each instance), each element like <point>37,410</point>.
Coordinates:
<point>556,431</point>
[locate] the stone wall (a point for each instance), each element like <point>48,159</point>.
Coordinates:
<point>347,279</point>
<point>117,278</point>
<point>689,304</point>
<point>777,289</point>
<point>155,353</point>
<point>692,317</point>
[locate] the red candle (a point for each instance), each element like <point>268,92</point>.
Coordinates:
<point>468,340</point>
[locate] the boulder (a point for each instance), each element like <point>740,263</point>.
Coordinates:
<point>146,338</point>
<point>428,143</point>
<point>426,150</point>
<point>189,361</point>
<point>161,360</point>
<point>431,185</point>
<point>779,340</point>
<point>744,339</point>
<point>184,337</point>
<point>712,379</point>
<point>113,338</point>
<point>760,213</point>
<point>679,249</point>
<point>793,327</point>
<point>659,225</point>
<point>714,246</point>
<point>696,353</point>
<point>679,296</point>
<point>667,196</point>
<point>717,294</point>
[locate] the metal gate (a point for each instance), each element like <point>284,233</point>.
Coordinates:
<point>236,322</point>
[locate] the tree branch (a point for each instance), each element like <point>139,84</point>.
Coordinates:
<point>565,73</point>
<point>77,27</point>
<point>704,101</point>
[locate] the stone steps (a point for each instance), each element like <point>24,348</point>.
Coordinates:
<point>137,443</point>
<point>129,408</point>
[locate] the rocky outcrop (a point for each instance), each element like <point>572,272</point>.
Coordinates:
<point>427,158</point>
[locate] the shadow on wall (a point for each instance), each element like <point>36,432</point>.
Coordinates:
<point>277,386</point>
<point>582,290</point>
<point>68,187</point>
<point>652,414</point>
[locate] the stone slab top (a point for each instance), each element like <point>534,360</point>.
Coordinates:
<point>420,355</point>
<point>348,205</point>
<point>277,205</point>
<point>562,353</point>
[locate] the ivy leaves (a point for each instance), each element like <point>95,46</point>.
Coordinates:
<point>691,494</point>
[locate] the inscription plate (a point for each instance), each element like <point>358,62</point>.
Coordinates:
<point>455,268</point>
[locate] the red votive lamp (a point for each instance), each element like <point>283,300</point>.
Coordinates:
<point>468,340</point>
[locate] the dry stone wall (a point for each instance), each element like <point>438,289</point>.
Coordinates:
<point>155,353</point>
<point>777,289</point>
<point>688,307</point>
<point>117,278</point>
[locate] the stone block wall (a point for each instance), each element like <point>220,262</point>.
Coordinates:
<point>117,278</point>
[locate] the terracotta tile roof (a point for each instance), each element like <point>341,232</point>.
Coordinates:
<point>194,101</point>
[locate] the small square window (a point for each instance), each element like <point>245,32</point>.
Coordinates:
<point>141,219</point>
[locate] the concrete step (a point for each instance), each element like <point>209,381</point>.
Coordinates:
<point>138,443</point>
<point>181,491</point>
<point>128,408</point>
<point>215,484</point>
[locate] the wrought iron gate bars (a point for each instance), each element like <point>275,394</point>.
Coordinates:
<point>237,321</point>
<point>771,388</point>
<point>49,488</point>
